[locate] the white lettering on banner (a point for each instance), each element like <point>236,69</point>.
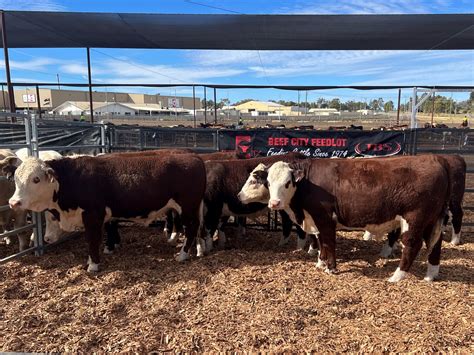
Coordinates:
<point>272,152</point>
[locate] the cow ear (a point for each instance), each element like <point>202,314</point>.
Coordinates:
<point>9,171</point>
<point>298,174</point>
<point>51,174</point>
<point>261,175</point>
<point>10,161</point>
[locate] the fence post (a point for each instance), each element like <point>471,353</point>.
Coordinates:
<point>36,216</point>
<point>102,139</point>
<point>413,123</point>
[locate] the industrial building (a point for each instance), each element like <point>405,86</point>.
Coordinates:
<point>50,99</point>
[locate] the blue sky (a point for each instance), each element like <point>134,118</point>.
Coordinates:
<point>250,67</point>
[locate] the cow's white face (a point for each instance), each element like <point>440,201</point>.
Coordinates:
<point>255,188</point>
<point>34,186</point>
<point>53,231</point>
<point>281,182</point>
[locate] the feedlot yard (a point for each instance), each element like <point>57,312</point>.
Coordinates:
<point>252,296</point>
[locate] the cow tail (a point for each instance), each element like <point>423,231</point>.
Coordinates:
<point>437,228</point>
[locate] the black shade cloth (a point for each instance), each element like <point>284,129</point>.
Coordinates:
<point>26,29</point>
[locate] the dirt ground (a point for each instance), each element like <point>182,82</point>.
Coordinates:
<point>252,296</point>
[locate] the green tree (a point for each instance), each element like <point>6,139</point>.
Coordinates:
<point>388,106</point>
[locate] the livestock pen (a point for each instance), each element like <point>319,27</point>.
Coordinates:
<point>251,295</point>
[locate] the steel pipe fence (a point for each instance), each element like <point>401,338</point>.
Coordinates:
<point>81,137</point>
<point>39,136</point>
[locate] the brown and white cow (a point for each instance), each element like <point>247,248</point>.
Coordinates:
<point>86,192</point>
<point>224,180</point>
<point>378,195</point>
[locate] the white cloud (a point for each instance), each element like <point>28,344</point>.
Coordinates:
<point>373,7</point>
<point>31,5</point>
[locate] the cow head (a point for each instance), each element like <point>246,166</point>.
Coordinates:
<point>255,188</point>
<point>281,180</point>
<point>8,164</point>
<point>35,184</point>
<point>53,231</point>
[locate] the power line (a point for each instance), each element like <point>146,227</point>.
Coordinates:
<point>238,13</point>
<point>137,65</point>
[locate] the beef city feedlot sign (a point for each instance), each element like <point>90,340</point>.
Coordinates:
<point>315,144</point>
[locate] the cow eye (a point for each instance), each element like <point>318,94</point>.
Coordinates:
<point>287,184</point>
<point>53,218</point>
<point>36,179</point>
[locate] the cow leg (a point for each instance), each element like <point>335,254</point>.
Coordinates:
<point>219,234</point>
<point>327,242</point>
<point>23,238</point>
<point>457,215</point>
<point>192,232</point>
<point>302,238</point>
<point>412,241</point>
<point>169,225</point>
<point>211,222</point>
<point>313,244</point>
<point>93,223</point>
<point>286,225</point>
<point>388,247</point>
<point>113,237</point>
<point>434,258</point>
<point>242,222</point>
<point>176,227</point>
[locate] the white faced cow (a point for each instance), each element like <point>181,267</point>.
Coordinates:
<point>378,195</point>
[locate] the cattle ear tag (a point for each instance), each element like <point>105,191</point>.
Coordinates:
<point>298,174</point>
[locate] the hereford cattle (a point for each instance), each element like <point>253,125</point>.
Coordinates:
<point>86,191</point>
<point>9,161</point>
<point>224,180</point>
<point>457,177</point>
<point>255,190</point>
<point>374,194</point>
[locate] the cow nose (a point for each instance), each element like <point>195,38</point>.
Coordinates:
<point>14,203</point>
<point>239,196</point>
<point>274,203</point>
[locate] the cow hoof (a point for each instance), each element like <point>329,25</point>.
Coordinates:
<point>456,239</point>
<point>182,256</point>
<point>300,243</point>
<point>321,264</point>
<point>201,247</point>
<point>166,233</point>
<point>91,266</point>
<point>283,241</point>
<point>173,239</point>
<point>107,250</point>
<point>312,251</point>
<point>386,251</point>
<point>8,241</point>
<point>368,236</point>
<point>398,275</point>
<point>209,244</point>
<point>432,273</point>
<point>330,271</point>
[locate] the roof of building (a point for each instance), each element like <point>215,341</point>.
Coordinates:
<point>82,105</point>
<point>256,102</point>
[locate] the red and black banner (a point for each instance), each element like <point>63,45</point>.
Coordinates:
<point>315,144</point>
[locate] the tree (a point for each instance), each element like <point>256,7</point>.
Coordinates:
<point>335,103</point>
<point>223,103</point>
<point>388,106</point>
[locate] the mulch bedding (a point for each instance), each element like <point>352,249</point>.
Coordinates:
<point>252,296</point>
